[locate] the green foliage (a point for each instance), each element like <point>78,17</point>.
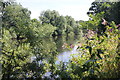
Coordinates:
<point>30,47</point>
<point>15,16</point>
<point>111,10</point>
<point>14,54</point>
<point>100,58</point>
<point>64,25</point>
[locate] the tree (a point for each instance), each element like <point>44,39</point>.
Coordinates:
<point>49,17</point>
<point>110,10</point>
<point>70,21</point>
<point>15,54</point>
<point>53,18</point>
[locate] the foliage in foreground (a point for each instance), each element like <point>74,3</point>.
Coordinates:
<point>100,56</point>
<point>24,39</point>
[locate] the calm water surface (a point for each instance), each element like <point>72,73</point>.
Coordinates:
<point>56,44</point>
<point>64,55</point>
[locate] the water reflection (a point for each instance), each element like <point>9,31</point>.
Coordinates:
<point>48,45</point>
<point>64,57</point>
<point>67,55</point>
<point>45,52</point>
<point>60,40</point>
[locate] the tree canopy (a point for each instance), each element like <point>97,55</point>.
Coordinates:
<point>29,47</point>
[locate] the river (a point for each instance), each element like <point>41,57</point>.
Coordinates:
<point>51,44</point>
<point>56,44</point>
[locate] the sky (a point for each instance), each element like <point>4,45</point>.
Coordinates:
<point>75,8</point>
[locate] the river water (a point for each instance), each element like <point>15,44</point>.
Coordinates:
<point>64,55</point>
<point>67,55</point>
<point>56,44</point>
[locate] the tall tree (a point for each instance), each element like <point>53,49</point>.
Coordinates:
<point>53,18</point>
<point>111,10</point>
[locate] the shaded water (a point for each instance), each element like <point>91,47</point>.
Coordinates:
<point>50,44</point>
<point>63,55</point>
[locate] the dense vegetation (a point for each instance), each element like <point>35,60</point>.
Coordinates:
<point>23,38</point>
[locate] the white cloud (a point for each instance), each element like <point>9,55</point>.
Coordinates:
<point>54,0</point>
<point>75,8</point>
<point>77,12</point>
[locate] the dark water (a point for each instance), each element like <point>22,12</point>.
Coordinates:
<point>56,44</point>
